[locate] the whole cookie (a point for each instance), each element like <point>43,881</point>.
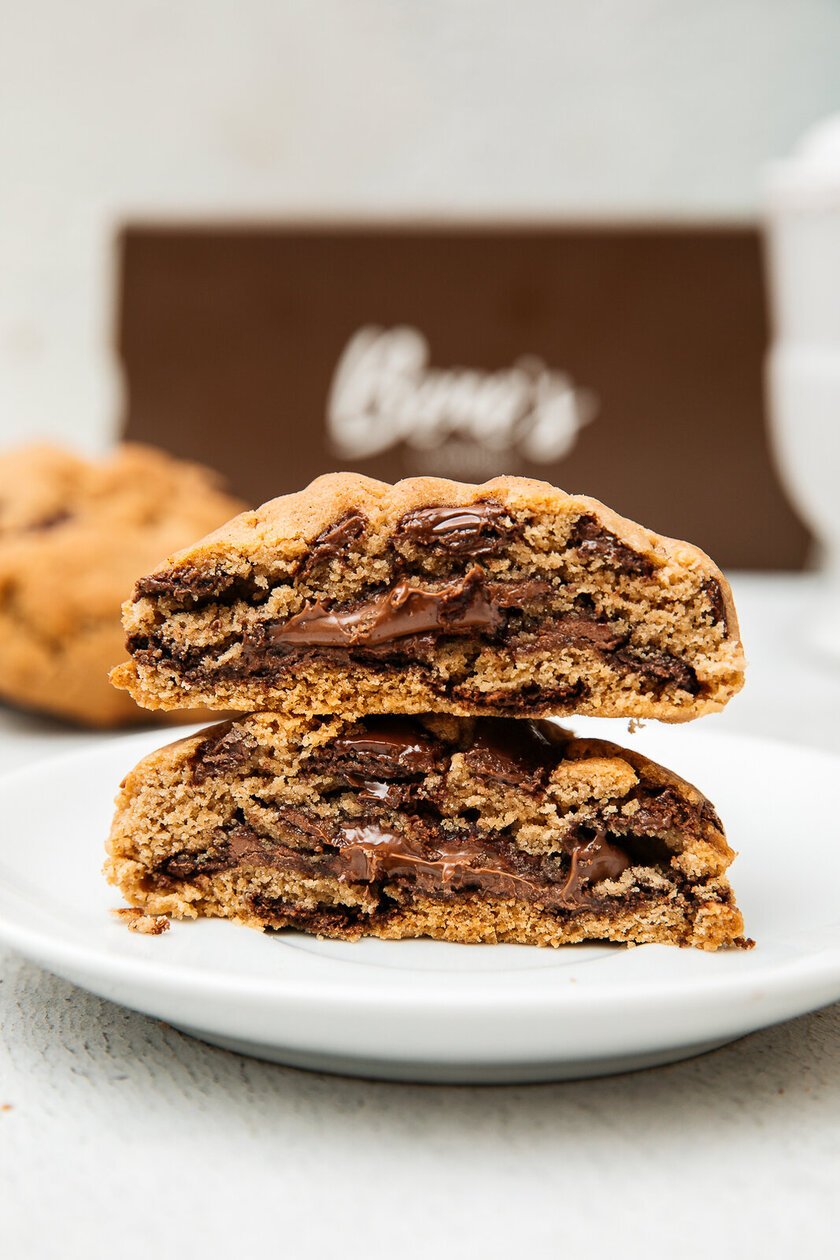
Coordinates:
<point>75,535</point>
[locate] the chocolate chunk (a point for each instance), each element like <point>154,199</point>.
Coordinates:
<point>659,666</point>
<point>591,539</point>
<point>377,754</point>
<point>514,752</point>
<point>183,584</point>
<point>145,650</point>
<point>443,867</point>
<point>187,865</point>
<point>581,631</point>
<point>260,657</point>
<point>653,816</point>
<point>518,594</point>
<point>319,921</point>
<point>456,608</point>
<point>386,795</point>
<point>188,587</point>
<point>300,823</point>
<point>415,649</point>
<point>334,541</point>
<point>224,751</point>
<point>242,846</point>
<point>525,700</point>
<point>714,594</point>
<point>592,862</point>
<point>663,810</point>
<point>383,749</point>
<point>369,854</point>
<point>659,810</point>
<point>435,862</point>
<point>478,529</point>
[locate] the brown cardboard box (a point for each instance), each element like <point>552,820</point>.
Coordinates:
<point>621,362</point>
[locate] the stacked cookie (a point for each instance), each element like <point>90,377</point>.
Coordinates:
<point>396,650</point>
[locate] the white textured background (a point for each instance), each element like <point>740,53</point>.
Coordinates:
<point>650,108</point>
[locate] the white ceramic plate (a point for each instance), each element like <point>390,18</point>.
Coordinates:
<point>426,1010</point>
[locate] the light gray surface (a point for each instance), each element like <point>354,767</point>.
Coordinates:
<point>124,1138</point>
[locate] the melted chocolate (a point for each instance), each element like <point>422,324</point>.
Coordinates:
<point>379,755</point>
<point>404,610</point>
<point>299,823</point>
<point>582,631</point>
<point>660,666</point>
<point>709,815</point>
<point>402,626</point>
<point>186,865</point>
<point>322,920</point>
<point>518,594</point>
<point>593,862</point>
<point>369,855</point>
<point>529,698</point>
<point>269,655</point>
<point>477,529</point>
<point>383,748</point>
<point>246,848</point>
<point>662,809</point>
<point>591,539</point>
<point>183,584</point>
<point>187,587</point>
<point>512,752</point>
<point>383,758</point>
<point>446,866</point>
<point>377,752</point>
<point>435,864</point>
<point>334,541</point>
<point>377,791</point>
<point>223,751</point>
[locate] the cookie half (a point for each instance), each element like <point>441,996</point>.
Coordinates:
<point>357,597</point>
<point>485,829</point>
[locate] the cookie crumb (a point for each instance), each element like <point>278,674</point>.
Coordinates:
<point>146,924</point>
<point>635,724</point>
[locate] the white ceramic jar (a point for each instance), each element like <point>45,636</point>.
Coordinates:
<point>803,370</point>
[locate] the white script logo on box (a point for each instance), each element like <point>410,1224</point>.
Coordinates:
<point>384,393</point>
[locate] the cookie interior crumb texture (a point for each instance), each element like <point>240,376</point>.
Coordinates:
<point>510,598</point>
<point>74,536</point>
<point>463,829</point>
<point>146,924</point>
